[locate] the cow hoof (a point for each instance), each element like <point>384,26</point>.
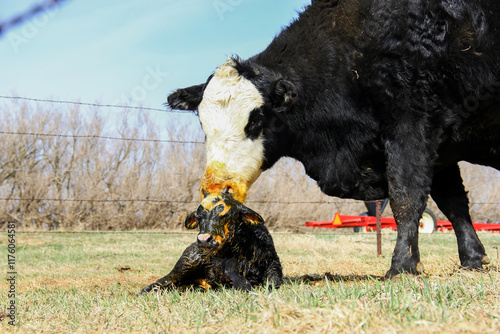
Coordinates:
<point>404,277</point>
<point>420,268</point>
<point>476,263</point>
<point>417,270</point>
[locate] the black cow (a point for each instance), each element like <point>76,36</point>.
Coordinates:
<point>377,98</point>
<point>233,249</point>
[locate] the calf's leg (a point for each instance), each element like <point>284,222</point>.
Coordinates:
<point>274,276</point>
<point>184,272</point>
<point>449,194</point>
<point>231,269</point>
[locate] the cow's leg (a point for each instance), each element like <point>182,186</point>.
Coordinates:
<point>449,194</point>
<point>407,208</point>
<point>192,260</point>
<point>409,172</point>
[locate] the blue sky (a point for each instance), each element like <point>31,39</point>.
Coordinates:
<point>131,52</point>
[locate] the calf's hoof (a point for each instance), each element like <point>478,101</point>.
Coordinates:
<point>242,284</point>
<point>273,282</point>
<point>151,287</point>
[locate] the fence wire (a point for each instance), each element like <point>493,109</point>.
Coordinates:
<point>27,15</point>
<point>89,104</point>
<point>167,201</point>
<point>100,137</point>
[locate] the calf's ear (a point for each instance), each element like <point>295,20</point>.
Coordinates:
<point>191,221</point>
<point>186,98</point>
<point>284,93</point>
<point>251,217</point>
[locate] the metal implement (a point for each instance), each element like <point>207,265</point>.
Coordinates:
<point>370,223</point>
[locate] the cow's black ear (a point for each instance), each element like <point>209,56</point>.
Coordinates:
<point>187,98</point>
<point>251,217</point>
<point>191,221</point>
<point>285,93</point>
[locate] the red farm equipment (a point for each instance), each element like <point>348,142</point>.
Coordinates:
<point>367,221</point>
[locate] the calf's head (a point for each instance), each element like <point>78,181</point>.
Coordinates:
<point>237,108</point>
<point>218,215</point>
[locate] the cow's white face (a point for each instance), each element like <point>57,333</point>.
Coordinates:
<point>233,159</point>
<point>233,116</point>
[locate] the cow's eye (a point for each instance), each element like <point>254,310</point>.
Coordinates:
<point>255,124</point>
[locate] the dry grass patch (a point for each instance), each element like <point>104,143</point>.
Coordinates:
<point>77,283</point>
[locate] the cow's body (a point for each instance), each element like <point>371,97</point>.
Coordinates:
<point>376,98</point>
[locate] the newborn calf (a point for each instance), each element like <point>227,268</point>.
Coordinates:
<point>233,248</point>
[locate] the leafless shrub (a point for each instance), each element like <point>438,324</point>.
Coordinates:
<point>77,179</point>
<point>483,185</point>
<point>58,172</point>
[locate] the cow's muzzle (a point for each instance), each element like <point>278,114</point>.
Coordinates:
<point>217,180</point>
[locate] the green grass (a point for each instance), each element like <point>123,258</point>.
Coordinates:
<point>87,282</point>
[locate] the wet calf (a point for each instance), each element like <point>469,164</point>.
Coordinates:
<point>233,249</point>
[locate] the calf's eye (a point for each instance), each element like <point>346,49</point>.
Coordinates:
<point>218,209</point>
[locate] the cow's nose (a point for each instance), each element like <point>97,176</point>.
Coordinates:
<point>204,239</point>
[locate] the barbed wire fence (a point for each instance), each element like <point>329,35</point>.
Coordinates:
<point>190,200</point>
<point>28,15</point>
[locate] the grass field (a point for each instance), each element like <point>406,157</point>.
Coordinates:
<point>87,283</point>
